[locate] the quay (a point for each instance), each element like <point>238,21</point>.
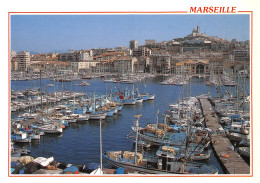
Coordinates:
<point>229,159</point>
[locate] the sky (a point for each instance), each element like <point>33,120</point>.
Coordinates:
<point>47,33</point>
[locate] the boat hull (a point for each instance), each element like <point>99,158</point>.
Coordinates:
<point>95,116</point>
<point>145,170</point>
<point>151,97</point>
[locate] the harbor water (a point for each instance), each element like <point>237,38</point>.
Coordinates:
<point>79,144</point>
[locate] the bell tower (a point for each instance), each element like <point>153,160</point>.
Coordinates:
<point>198,28</point>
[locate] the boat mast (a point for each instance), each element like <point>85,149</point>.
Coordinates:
<point>62,90</point>
<point>41,88</point>
<point>244,87</point>
<point>136,138</point>
<point>47,99</point>
<point>94,108</point>
<point>100,146</point>
<point>157,121</point>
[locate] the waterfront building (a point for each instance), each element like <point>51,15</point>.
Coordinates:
<point>83,65</point>
<point>63,67</point>
<point>37,66</point>
<point>124,64</point>
<point>104,66</point>
<point>133,44</point>
<point>142,64</point>
<point>54,66</point>
<point>192,67</point>
<point>23,60</point>
<point>160,61</point>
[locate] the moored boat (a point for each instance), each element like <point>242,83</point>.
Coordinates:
<point>151,97</point>
<point>83,117</point>
<point>137,162</point>
<point>20,138</point>
<point>97,115</point>
<point>244,151</point>
<point>51,129</point>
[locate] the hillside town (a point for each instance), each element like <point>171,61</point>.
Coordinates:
<point>194,54</point>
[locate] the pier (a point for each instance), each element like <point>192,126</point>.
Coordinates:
<point>229,159</point>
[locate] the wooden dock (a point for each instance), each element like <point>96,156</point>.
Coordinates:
<point>230,160</point>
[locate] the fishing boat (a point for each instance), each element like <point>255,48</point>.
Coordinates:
<point>236,137</point>
<point>128,101</point>
<point>151,97</point>
<point>245,141</point>
<point>145,96</point>
<point>135,161</point>
<point>72,118</point>
<point>237,128</point>
<point>167,136</point>
<point>51,129</point>
<point>20,137</point>
<point>34,136</point>
<point>244,151</point>
<point>109,112</point>
<point>83,117</point>
<point>119,107</point>
<point>97,115</point>
<point>155,165</point>
<point>139,100</point>
<point>194,153</point>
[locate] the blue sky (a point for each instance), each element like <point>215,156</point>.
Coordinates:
<point>44,33</point>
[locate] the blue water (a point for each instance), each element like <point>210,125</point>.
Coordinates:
<point>79,144</point>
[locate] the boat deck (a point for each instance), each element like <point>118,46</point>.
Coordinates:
<point>230,160</point>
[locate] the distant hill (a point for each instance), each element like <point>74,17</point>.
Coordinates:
<point>34,52</point>
<point>52,51</point>
<point>59,51</point>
